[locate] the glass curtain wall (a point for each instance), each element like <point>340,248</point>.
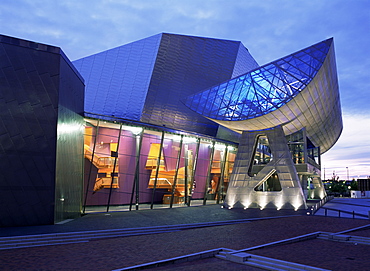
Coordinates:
<point>302,149</point>
<point>297,145</point>
<point>131,168</point>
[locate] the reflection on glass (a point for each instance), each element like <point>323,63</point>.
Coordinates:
<point>262,90</point>
<point>150,167</point>
<point>271,183</point>
<point>103,159</point>
<point>296,143</point>
<point>262,155</point>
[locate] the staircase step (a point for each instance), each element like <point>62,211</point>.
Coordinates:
<point>12,246</point>
<point>56,238</point>
<point>278,265</point>
<point>262,266</point>
<point>265,262</point>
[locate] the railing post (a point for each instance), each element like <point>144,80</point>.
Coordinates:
<point>326,212</point>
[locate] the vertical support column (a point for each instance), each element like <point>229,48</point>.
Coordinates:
<point>192,180</point>
<point>135,185</point>
<point>220,190</point>
<point>208,180</point>
<point>186,175</point>
<point>91,164</point>
<point>309,180</point>
<point>176,173</point>
<point>157,171</point>
<point>114,167</point>
<point>242,189</point>
<point>305,150</point>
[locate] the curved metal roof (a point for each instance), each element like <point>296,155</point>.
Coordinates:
<point>262,90</point>
<point>297,91</point>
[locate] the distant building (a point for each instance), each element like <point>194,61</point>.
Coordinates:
<point>166,120</point>
<point>363,184</point>
<point>363,190</point>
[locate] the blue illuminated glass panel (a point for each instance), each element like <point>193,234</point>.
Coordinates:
<point>262,90</point>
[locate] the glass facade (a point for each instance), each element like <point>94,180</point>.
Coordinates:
<point>262,90</point>
<point>136,167</point>
<point>302,149</point>
<point>297,146</point>
<point>299,91</point>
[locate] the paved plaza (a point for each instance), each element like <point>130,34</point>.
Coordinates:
<point>255,228</point>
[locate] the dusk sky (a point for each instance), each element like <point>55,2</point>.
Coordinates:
<point>270,29</point>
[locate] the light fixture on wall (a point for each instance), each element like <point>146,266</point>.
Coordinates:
<point>132,129</point>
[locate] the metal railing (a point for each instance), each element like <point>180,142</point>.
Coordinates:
<point>344,212</point>
<point>313,209</point>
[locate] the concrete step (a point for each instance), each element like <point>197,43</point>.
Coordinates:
<point>223,254</point>
<point>29,241</point>
<point>273,264</point>
<point>38,244</point>
<point>263,266</point>
<point>269,267</point>
<point>64,238</point>
<point>265,262</point>
<point>344,238</point>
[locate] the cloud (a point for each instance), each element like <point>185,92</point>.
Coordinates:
<point>270,29</point>
<point>352,150</point>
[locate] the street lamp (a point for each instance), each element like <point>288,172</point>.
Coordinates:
<point>347,173</point>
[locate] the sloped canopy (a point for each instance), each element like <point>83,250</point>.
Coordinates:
<point>262,90</point>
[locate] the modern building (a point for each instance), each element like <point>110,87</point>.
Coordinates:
<point>161,122</point>
<point>41,134</point>
<point>288,112</point>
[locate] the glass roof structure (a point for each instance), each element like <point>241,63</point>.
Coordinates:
<point>263,90</point>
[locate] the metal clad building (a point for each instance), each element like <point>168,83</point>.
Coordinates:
<point>145,80</point>
<point>41,134</point>
<point>296,94</point>
<point>169,120</point>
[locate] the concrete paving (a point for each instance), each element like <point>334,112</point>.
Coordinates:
<point>265,226</point>
<point>149,218</point>
<point>185,215</point>
<point>346,207</point>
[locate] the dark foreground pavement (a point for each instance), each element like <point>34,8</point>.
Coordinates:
<point>119,252</point>
<point>148,218</point>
